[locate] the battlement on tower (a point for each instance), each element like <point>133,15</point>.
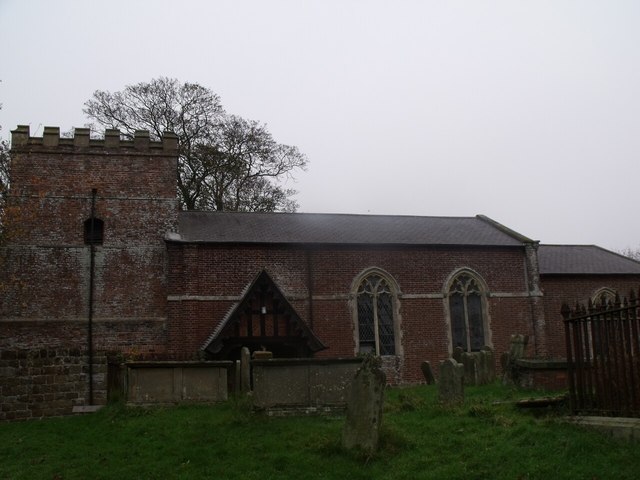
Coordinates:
<point>22,141</point>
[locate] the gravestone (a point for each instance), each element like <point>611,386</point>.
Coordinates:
<point>451,382</point>
<point>245,370</point>
<point>488,363</point>
<point>364,407</point>
<point>457,354</point>
<point>237,387</point>
<point>470,363</point>
<point>427,372</point>
<point>517,348</point>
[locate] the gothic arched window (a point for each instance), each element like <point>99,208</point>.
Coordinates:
<point>604,296</point>
<point>376,329</point>
<point>466,310</point>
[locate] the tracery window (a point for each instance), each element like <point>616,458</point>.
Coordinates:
<point>466,310</point>
<point>604,296</point>
<point>375,300</point>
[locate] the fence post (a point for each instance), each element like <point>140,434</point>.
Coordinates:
<point>566,315</point>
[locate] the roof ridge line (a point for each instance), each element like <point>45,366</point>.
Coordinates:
<point>405,215</point>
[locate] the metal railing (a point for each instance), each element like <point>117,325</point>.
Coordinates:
<point>603,355</point>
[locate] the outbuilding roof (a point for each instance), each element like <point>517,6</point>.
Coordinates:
<point>584,260</point>
<point>336,229</point>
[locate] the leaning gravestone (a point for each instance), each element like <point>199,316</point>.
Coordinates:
<point>364,408</point>
<point>517,347</point>
<point>427,372</point>
<point>451,382</point>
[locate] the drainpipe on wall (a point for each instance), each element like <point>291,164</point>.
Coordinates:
<point>310,287</point>
<point>92,250</point>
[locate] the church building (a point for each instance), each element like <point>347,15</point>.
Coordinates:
<point>99,262</point>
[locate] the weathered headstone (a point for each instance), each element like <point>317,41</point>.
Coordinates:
<point>457,354</point>
<point>236,377</point>
<point>518,346</point>
<point>470,363</point>
<point>427,372</point>
<point>245,370</point>
<point>508,360</point>
<point>451,382</point>
<point>488,364</point>
<point>364,407</point>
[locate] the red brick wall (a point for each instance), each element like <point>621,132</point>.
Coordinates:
<point>559,289</point>
<point>46,264</point>
<point>206,280</point>
<point>51,198</point>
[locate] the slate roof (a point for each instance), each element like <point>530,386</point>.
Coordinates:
<point>584,260</point>
<point>340,229</point>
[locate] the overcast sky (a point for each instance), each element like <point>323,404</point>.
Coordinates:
<point>525,111</point>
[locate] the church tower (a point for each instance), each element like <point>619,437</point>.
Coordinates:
<point>83,255</point>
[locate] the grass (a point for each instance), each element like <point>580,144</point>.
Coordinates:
<point>486,438</point>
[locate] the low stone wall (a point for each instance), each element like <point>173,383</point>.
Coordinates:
<point>177,382</point>
<point>282,386</point>
<point>48,382</point>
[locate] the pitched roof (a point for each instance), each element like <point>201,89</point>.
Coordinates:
<point>584,260</point>
<point>319,228</point>
<point>215,341</point>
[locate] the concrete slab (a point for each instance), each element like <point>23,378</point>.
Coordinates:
<point>617,427</point>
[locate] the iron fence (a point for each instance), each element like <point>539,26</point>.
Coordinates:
<point>603,355</point>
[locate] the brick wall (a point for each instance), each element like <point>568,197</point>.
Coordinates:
<point>559,289</point>
<point>206,281</point>
<point>44,306</point>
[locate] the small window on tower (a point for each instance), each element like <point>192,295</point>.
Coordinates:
<point>93,231</point>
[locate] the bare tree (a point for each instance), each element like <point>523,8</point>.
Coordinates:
<point>4,174</point>
<point>4,169</point>
<point>225,162</point>
<point>243,165</point>
<point>633,253</point>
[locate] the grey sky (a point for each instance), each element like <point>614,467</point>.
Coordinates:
<point>525,111</point>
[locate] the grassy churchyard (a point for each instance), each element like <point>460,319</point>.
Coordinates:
<point>487,438</point>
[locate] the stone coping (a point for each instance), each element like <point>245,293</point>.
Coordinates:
<point>86,408</point>
<point>175,363</point>
<point>277,362</point>
<point>542,364</point>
